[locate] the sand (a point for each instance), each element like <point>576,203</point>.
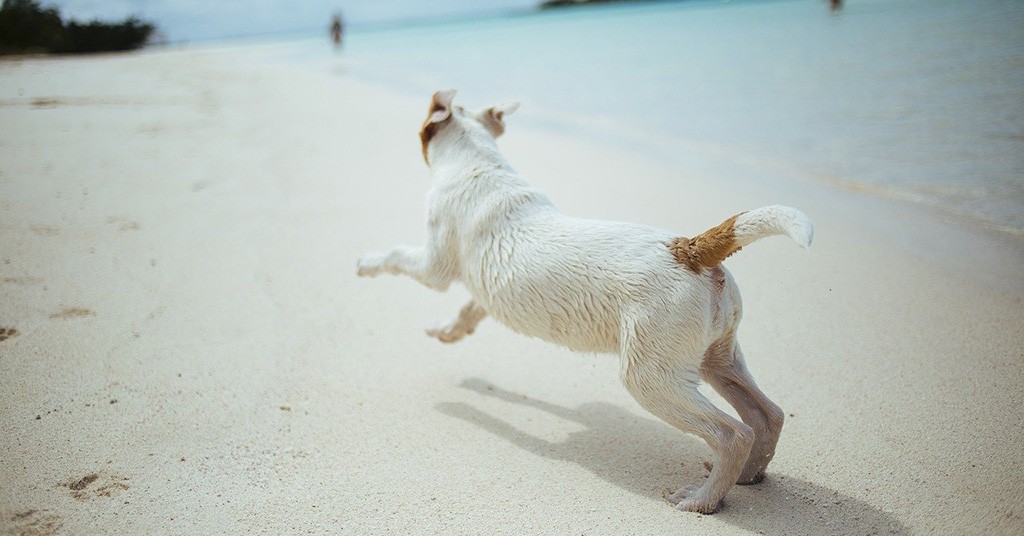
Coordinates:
<point>185,347</point>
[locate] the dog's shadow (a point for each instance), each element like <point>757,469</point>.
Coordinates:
<point>646,457</point>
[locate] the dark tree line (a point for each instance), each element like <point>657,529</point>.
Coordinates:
<point>27,27</point>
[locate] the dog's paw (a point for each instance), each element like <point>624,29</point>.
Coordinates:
<point>370,264</point>
<point>447,333</point>
<point>681,494</point>
<point>689,499</point>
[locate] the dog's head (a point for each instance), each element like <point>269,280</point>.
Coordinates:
<point>487,123</point>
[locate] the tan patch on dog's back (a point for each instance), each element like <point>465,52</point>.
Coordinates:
<point>707,249</point>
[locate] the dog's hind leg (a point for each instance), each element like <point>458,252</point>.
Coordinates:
<point>669,391</point>
<point>469,317</point>
<point>725,370</point>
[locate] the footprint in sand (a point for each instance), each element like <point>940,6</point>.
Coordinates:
<point>72,312</point>
<point>31,522</point>
<point>44,230</point>
<point>95,485</point>
<point>125,223</point>
<point>7,333</point>
<point>45,102</point>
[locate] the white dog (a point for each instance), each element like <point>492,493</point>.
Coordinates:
<point>663,303</point>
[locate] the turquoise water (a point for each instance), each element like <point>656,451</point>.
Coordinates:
<point>918,100</point>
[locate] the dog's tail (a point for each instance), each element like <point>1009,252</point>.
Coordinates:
<point>711,247</point>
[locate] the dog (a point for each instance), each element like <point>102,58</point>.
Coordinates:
<point>663,303</point>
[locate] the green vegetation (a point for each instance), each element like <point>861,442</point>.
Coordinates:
<point>26,28</point>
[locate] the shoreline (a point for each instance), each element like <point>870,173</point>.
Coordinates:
<point>861,133</point>
<point>958,242</point>
<point>699,155</point>
<point>193,353</point>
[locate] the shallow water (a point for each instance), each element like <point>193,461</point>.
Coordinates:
<point>918,100</point>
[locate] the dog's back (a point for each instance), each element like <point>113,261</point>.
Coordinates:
<point>576,282</point>
<point>571,281</point>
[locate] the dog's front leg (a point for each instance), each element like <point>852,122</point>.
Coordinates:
<point>469,317</point>
<point>427,265</point>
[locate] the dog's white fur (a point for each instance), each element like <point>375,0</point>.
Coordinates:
<point>594,286</point>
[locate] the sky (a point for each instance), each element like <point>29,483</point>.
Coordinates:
<point>190,20</point>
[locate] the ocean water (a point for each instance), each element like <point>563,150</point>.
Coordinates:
<point>916,100</point>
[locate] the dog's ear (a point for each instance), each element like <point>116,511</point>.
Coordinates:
<point>493,118</point>
<point>440,111</point>
<point>440,106</point>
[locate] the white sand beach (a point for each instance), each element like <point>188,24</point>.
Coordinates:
<point>186,349</point>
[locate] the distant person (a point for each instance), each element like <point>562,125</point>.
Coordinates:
<point>337,29</point>
<point>835,5</point>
